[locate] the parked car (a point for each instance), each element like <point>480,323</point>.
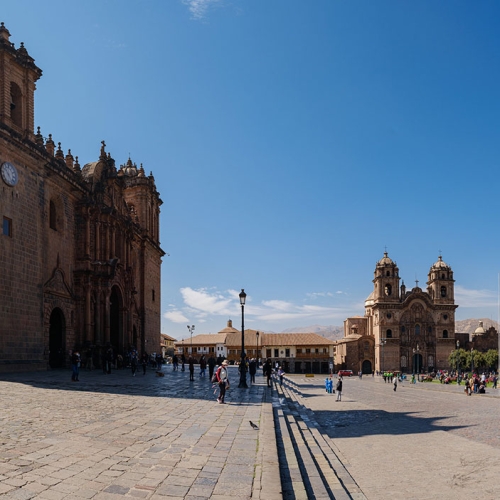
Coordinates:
<point>346,373</point>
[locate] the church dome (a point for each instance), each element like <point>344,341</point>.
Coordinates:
<point>480,329</point>
<point>441,265</point>
<point>385,260</point>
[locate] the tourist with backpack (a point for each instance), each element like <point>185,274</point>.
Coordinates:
<point>222,380</point>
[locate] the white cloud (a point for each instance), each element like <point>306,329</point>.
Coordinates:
<point>199,8</point>
<point>475,298</point>
<point>315,295</point>
<point>175,316</point>
<point>205,302</point>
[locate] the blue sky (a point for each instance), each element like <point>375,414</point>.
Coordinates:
<point>291,141</point>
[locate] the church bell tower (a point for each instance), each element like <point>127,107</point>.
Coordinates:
<point>18,74</point>
<point>386,280</point>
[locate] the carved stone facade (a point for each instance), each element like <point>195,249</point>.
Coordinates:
<point>80,253</point>
<point>401,330</point>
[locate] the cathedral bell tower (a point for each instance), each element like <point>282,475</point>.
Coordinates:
<point>386,281</point>
<point>440,284</point>
<point>18,74</point>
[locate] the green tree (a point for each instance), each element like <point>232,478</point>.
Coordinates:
<point>491,359</point>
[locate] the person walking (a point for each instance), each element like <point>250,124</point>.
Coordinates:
<point>175,363</point>
<point>281,374</point>
<point>222,380</point>
<point>252,369</point>
<point>203,366</point>
<point>395,382</point>
<point>338,388</point>
<point>134,361</point>
<point>268,370</point>
<point>183,362</point>
<point>191,368</point>
<point>144,363</point>
<point>75,366</point>
<point>211,366</point>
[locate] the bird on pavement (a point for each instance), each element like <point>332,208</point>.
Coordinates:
<point>253,425</point>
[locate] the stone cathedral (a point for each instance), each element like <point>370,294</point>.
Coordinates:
<point>402,330</point>
<point>80,254</point>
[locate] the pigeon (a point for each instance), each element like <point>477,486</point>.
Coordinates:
<point>253,425</point>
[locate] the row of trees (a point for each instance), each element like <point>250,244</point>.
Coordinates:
<point>464,360</point>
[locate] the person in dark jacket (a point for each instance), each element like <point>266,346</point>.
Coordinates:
<point>268,371</point>
<point>191,367</point>
<point>338,388</point>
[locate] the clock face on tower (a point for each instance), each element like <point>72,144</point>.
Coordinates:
<point>9,174</point>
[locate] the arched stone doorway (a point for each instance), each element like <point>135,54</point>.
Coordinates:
<point>57,339</point>
<point>417,363</point>
<point>366,367</point>
<point>116,319</point>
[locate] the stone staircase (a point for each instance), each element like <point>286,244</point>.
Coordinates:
<point>310,464</point>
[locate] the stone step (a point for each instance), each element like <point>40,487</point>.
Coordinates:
<point>322,469</point>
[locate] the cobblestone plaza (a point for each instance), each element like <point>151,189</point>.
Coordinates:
<point>117,436</point>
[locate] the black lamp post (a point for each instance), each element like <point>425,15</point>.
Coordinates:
<point>416,354</point>
<point>458,361</point>
<point>191,328</point>
<point>382,344</point>
<point>243,367</point>
<point>258,354</point>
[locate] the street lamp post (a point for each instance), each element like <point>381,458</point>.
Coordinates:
<point>458,362</point>
<point>258,354</point>
<point>243,368</point>
<point>191,328</point>
<point>382,343</point>
<point>416,354</point>
<point>472,360</point>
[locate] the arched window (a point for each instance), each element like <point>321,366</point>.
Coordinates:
<point>388,334</point>
<point>443,291</point>
<point>52,216</point>
<point>16,108</point>
<point>388,290</point>
<point>445,334</point>
<point>417,329</point>
<point>388,273</point>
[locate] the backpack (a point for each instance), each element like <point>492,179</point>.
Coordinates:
<point>214,378</point>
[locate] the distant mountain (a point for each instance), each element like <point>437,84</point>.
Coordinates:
<point>329,332</point>
<point>337,332</point>
<point>470,325</point>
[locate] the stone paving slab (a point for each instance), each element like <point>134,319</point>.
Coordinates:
<point>118,436</point>
<point>424,441</point>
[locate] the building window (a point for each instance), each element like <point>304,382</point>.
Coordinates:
<point>299,350</point>
<point>417,329</point>
<point>276,353</point>
<point>443,291</point>
<point>52,216</point>
<point>308,351</point>
<point>16,109</point>
<point>367,346</point>
<point>388,334</point>
<point>388,290</point>
<point>287,353</point>
<point>153,295</point>
<point>7,227</point>
<point>445,334</point>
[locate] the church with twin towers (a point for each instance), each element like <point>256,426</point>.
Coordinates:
<point>406,330</point>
